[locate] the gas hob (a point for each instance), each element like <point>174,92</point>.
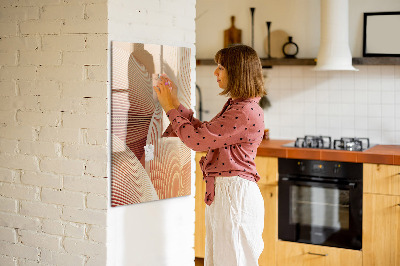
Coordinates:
<point>325,142</point>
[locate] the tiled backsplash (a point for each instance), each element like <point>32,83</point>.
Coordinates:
<point>333,103</point>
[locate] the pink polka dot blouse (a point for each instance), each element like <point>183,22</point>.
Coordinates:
<point>231,139</point>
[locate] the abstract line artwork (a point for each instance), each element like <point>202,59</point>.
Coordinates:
<point>146,166</point>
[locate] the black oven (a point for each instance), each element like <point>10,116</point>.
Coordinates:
<point>320,202</point>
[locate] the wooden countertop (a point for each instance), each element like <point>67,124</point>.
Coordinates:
<point>379,154</point>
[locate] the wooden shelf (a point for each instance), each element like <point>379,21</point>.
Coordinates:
<point>312,61</point>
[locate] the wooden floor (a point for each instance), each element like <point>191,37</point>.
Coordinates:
<point>199,262</point>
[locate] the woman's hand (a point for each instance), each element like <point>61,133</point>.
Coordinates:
<point>174,90</point>
<point>164,96</point>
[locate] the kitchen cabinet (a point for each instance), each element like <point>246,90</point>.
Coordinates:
<point>381,179</point>
<point>298,254</point>
<point>381,215</point>
<point>267,168</point>
<point>200,207</point>
<point>270,233</point>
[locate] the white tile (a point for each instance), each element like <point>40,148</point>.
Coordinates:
<point>322,83</point>
<point>397,84</point>
<point>375,136</point>
<point>397,134</point>
<point>324,131</point>
<point>335,95</point>
<point>361,123</point>
<point>322,122</point>
<point>397,111</point>
<point>348,123</point>
<point>309,82</point>
<point>361,110</point>
<point>388,124</point>
<point>322,74</point>
<point>374,83</point>
<point>285,83</point>
<point>388,97</point>
<point>388,110</point>
<point>360,133</point>
<point>388,84</point>
<point>286,120</point>
<point>335,122</point>
<point>388,137</point>
<point>348,132</point>
<point>322,96</point>
<point>374,110</point>
<point>285,132</point>
<point>298,121</point>
<point>285,71</point>
<point>310,108</point>
<point>374,123</point>
<point>347,109</point>
<point>361,97</point>
<point>297,97</point>
<point>387,71</point>
<point>322,109</point>
<point>374,97</point>
<point>296,71</point>
<point>334,77</point>
<point>334,109</point>
<point>397,72</point>
<point>374,70</point>
<point>308,72</point>
<point>310,95</point>
<point>334,81</point>
<point>298,108</point>
<point>297,83</point>
<point>348,96</point>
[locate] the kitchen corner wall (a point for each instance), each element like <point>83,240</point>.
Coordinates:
<point>53,119</point>
<point>336,103</point>
<point>160,232</point>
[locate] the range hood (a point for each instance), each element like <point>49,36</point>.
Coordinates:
<point>334,51</point>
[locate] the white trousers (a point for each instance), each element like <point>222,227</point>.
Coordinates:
<point>234,223</point>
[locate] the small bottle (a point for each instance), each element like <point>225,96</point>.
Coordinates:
<point>290,49</point>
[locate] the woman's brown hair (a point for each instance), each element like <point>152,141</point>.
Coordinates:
<point>245,78</point>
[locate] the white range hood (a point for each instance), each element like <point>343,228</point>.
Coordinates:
<point>334,51</point>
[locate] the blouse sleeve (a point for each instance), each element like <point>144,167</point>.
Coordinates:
<point>225,130</point>
<point>186,113</point>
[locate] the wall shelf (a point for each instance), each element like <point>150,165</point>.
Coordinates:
<point>312,61</point>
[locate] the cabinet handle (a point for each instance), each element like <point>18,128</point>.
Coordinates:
<point>318,254</point>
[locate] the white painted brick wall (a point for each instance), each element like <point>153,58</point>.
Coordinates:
<point>53,113</point>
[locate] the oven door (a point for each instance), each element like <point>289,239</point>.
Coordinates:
<point>321,212</point>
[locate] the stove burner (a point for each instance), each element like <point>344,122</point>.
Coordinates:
<point>308,141</point>
<point>351,144</point>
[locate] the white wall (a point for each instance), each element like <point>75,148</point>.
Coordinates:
<point>161,232</point>
<point>299,18</point>
<point>53,109</point>
<point>338,104</point>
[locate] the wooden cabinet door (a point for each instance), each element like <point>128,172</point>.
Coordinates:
<point>381,230</point>
<point>267,168</point>
<point>297,254</point>
<point>200,207</point>
<point>381,179</point>
<point>270,233</point>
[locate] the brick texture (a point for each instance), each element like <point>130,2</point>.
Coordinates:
<point>53,113</point>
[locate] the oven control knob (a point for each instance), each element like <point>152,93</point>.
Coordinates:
<point>302,167</point>
<point>336,169</point>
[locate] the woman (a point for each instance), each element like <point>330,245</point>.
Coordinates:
<point>235,207</point>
